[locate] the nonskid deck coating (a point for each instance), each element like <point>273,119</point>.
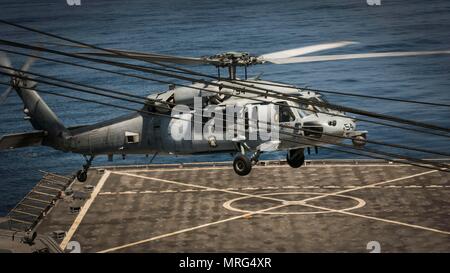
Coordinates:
<point>326,206</point>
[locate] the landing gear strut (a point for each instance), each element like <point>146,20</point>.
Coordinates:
<point>82,174</point>
<point>242,164</point>
<point>295,158</point>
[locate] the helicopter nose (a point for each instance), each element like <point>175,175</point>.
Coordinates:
<point>339,126</point>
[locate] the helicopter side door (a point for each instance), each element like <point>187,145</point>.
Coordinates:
<point>289,123</point>
<point>179,136</point>
<point>259,122</point>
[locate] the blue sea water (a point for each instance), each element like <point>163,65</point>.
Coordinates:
<point>200,28</point>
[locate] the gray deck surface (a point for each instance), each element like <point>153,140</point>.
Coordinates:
<point>322,207</point>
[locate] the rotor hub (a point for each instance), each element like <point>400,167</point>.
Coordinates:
<point>227,59</point>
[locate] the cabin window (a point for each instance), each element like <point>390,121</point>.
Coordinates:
<point>286,114</point>
<point>224,119</point>
<point>131,137</point>
<point>246,120</point>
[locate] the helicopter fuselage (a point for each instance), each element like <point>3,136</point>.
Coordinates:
<point>170,132</point>
<point>196,119</point>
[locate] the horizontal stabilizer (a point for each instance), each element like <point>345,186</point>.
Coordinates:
<point>21,140</point>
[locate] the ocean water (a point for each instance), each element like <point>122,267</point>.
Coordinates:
<point>200,28</point>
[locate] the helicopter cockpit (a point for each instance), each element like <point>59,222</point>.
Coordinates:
<point>286,113</point>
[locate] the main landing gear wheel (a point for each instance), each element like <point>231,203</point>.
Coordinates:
<point>295,158</point>
<point>242,165</point>
<point>81,175</point>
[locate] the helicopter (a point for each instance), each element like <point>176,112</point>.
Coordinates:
<point>231,119</point>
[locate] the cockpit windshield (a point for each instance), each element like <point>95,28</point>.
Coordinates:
<point>305,110</point>
<point>323,98</point>
<point>320,108</point>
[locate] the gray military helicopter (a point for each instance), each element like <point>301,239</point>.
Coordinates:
<point>167,122</point>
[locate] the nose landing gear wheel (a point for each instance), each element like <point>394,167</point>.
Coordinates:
<point>295,158</point>
<point>242,165</point>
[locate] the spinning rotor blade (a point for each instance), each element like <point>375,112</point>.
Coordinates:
<point>5,94</point>
<point>25,67</point>
<point>303,50</point>
<point>309,59</point>
<point>28,64</point>
<point>212,60</point>
<point>5,61</point>
<point>134,54</point>
<point>153,57</point>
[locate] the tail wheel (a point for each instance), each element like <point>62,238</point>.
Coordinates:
<point>82,175</point>
<point>359,141</point>
<point>242,165</point>
<point>295,158</point>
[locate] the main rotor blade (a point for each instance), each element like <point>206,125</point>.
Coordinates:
<point>309,59</point>
<point>141,55</point>
<point>303,50</point>
<point>153,57</point>
<point>61,44</point>
<point>5,94</point>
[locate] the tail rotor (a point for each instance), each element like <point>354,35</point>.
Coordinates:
<point>5,63</point>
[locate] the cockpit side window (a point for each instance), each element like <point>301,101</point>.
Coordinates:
<point>321,109</point>
<point>286,114</point>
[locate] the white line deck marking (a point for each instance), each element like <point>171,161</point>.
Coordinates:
<point>168,191</point>
<point>178,169</point>
<point>196,186</point>
<point>371,217</point>
<point>291,187</point>
<point>84,210</point>
<point>189,190</point>
<point>188,229</point>
<point>380,219</point>
<point>370,185</point>
<point>273,188</point>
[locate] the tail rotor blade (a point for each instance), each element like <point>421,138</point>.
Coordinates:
<point>5,61</point>
<point>5,94</point>
<point>28,63</point>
